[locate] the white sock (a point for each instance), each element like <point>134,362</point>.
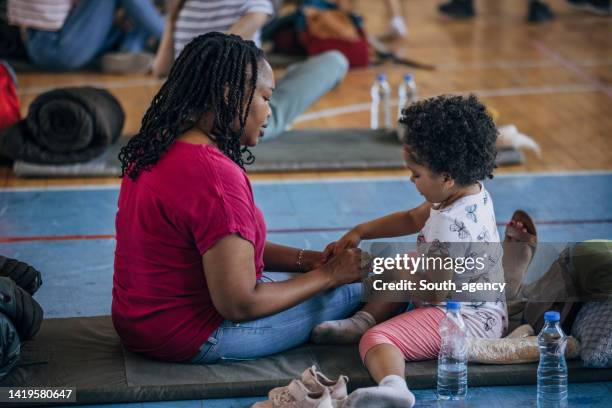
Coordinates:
<point>392,392</point>
<point>397,23</point>
<point>345,331</point>
<point>510,136</point>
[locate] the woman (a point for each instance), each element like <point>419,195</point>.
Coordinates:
<point>191,244</point>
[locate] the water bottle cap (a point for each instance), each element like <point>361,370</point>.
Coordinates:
<point>551,316</point>
<point>408,77</point>
<point>381,77</point>
<point>452,305</point>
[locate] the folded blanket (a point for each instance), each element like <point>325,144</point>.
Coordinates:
<point>519,347</point>
<point>69,125</point>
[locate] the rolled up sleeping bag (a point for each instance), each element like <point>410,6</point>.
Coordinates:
<point>63,126</point>
<point>17,304</point>
<point>10,346</point>
<point>24,275</point>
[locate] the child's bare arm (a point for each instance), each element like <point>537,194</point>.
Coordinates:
<point>396,224</point>
<point>392,225</point>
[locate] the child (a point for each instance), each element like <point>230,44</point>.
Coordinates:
<point>449,146</point>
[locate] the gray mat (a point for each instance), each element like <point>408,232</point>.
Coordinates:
<point>296,150</point>
<point>86,353</point>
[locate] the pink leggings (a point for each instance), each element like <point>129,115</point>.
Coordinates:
<point>414,333</point>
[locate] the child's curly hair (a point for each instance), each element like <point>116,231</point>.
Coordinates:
<point>451,134</point>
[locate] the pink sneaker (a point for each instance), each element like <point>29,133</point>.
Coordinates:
<point>315,381</point>
<point>296,395</point>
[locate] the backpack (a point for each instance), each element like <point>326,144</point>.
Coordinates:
<point>322,27</point>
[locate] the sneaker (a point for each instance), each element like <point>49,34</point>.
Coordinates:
<point>28,278</point>
<point>25,313</point>
<point>579,4</point>
<point>509,136</point>
<point>458,9</point>
<point>317,381</point>
<point>126,63</point>
<point>296,395</point>
<point>539,12</point>
<point>601,7</point>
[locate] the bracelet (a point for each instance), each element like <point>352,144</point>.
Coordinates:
<point>300,258</point>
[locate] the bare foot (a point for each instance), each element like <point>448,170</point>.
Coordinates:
<point>520,241</point>
<point>521,228</point>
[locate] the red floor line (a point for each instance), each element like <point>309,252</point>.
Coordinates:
<point>5,240</point>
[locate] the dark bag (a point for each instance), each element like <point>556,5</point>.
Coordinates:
<point>10,346</point>
<point>19,306</point>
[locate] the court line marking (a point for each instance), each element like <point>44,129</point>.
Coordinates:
<point>491,93</point>
<point>571,66</point>
<point>351,179</point>
<point>519,64</point>
<point>88,237</point>
<point>503,64</point>
<point>127,83</point>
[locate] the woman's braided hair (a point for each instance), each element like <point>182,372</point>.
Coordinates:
<point>215,73</point>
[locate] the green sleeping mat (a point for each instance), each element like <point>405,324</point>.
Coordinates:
<point>295,150</point>
<point>85,353</point>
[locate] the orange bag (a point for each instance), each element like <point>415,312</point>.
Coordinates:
<point>333,29</point>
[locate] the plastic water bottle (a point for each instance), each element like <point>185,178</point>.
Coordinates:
<point>407,93</point>
<point>552,371</point>
<point>380,110</point>
<point>452,359</point>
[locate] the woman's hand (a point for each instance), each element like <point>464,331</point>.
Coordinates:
<point>349,240</point>
<point>345,267</point>
<point>313,260</point>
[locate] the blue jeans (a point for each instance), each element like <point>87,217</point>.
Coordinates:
<point>88,32</point>
<point>279,332</point>
<point>301,86</point>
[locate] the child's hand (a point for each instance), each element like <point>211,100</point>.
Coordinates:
<point>350,240</point>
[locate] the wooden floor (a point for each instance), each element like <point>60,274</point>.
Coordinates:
<point>553,81</point>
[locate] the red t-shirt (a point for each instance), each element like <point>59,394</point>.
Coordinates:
<point>192,197</point>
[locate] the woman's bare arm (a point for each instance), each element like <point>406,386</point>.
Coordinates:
<point>230,274</point>
<point>285,259</point>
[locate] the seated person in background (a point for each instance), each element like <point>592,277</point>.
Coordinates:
<point>301,86</point>
<point>61,35</point>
